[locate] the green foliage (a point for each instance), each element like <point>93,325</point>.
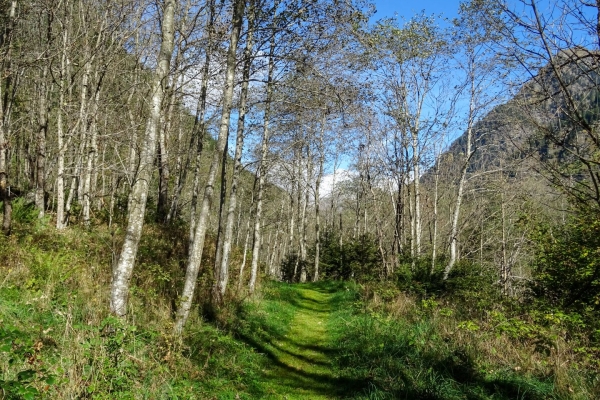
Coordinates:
<point>567,267</point>
<point>566,283</point>
<point>416,361</point>
<point>23,212</point>
<point>415,276</point>
<point>364,258</point>
<point>470,287</point>
<point>358,259</point>
<point>291,267</point>
<point>109,356</point>
<point>28,374</point>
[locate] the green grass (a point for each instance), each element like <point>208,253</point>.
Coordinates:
<point>422,352</point>
<point>310,341</point>
<point>300,352</point>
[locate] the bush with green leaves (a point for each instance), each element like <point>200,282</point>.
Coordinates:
<point>566,280</point>
<point>357,259</point>
<point>399,360</point>
<point>567,267</point>
<point>27,373</point>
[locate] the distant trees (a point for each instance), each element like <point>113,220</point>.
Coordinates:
<point>123,114</point>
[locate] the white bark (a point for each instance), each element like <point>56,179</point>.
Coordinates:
<point>470,150</point>
<point>317,198</point>
<point>197,246</point>
<point>262,168</point>
<point>223,276</point>
<point>5,110</point>
<point>199,128</point>
<point>137,200</point>
<point>40,180</point>
<point>436,178</point>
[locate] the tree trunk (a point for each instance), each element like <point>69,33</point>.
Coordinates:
<point>245,251</point>
<point>199,129</point>
<point>137,199</point>
<point>261,171</point>
<point>216,296</point>
<point>292,223</point>
<point>318,200</point>
<point>62,148</point>
<point>461,183</point>
<point>197,246</point>
<point>163,168</point>
<point>304,220</point>
<point>436,178</point>
<point>6,100</point>
<point>221,283</point>
<point>40,180</point>
<point>417,194</point>
<point>92,152</point>
<point>276,244</point>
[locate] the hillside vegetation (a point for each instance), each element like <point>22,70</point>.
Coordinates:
<point>290,199</point>
<point>334,339</point>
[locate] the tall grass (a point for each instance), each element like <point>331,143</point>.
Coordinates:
<point>410,348</point>
<point>59,341</point>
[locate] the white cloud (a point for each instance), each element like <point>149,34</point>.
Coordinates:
<point>329,180</point>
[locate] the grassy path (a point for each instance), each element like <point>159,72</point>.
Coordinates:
<point>300,360</point>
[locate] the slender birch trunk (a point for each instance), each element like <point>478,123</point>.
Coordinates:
<point>197,246</point>
<point>417,194</point>
<point>163,166</point>
<point>221,283</point>
<point>92,152</point>
<point>470,150</point>
<point>298,210</point>
<point>261,171</point>
<point>199,129</point>
<point>181,166</point>
<point>277,244</point>
<point>318,195</point>
<point>292,227</point>
<point>40,164</point>
<point>246,242</point>
<point>436,179</point>
<point>216,296</point>
<point>83,118</point>
<point>504,265</point>
<point>304,243</point>
<point>239,221</point>
<point>411,217</point>
<point>137,199</point>
<point>62,148</point>
<point>6,99</point>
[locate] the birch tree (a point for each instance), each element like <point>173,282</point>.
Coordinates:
<point>8,81</point>
<point>222,270</point>
<point>479,64</point>
<point>197,246</point>
<point>411,64</point>
<point>123,270</point>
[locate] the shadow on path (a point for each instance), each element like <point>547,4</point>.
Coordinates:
<point>299,361</point>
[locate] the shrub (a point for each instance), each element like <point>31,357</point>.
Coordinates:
<point>567,267</point>
<point>358,259</point>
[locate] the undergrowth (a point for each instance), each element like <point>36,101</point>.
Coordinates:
<point>414,347</point>
<point>59,341</point>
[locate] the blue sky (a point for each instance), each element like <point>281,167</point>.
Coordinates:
<point>408,8</point>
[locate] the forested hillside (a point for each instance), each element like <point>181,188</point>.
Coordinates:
<point>296,199</point>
